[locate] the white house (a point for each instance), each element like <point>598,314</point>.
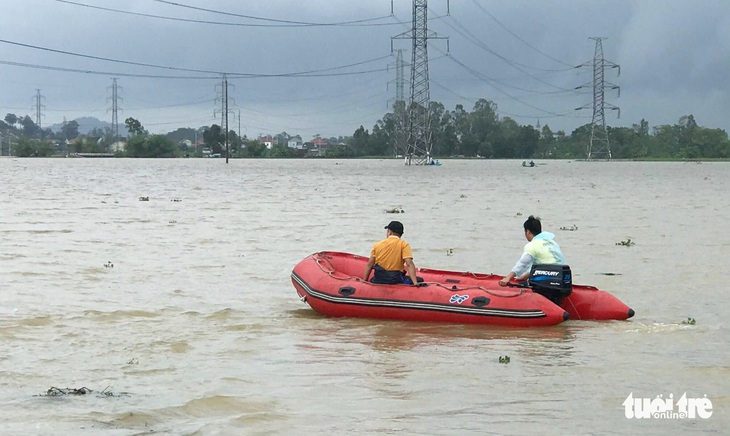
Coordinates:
<point>296,143</point>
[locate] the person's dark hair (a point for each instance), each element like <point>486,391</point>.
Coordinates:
<point>533,225</point>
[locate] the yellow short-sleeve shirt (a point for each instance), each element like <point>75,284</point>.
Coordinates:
<point>390,252</point>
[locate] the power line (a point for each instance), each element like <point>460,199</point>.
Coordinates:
<point>274,20</point>
<point>479,75</point>
<point>518,38</point>
<point>518,66</point>
<point>282,23</point>
<point>308,73</point>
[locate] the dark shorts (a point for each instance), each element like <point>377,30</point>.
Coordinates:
<point>385,277</point>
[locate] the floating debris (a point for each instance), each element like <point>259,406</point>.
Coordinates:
<point>689,321</point>
<point>462,196</point>
<point>172,222</point>
<point>395,210</point>
<point>58,392</point>
<point>144,199</point>
<point>570,229</point>
<point>627,243</point>
<point>176,200</point>
<point>610,274</point>
<point>504,359</point>
<point>519,213</point>
<point>133,361</point>
<point>109,264</point>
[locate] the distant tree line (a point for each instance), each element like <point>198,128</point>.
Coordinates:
<point>482,133</point>
<point>479,133</point>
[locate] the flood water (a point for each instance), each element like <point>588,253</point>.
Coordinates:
<point>180,316</point>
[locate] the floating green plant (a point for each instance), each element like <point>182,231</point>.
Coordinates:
<point>144,199</point>
<point>504,359</point>
<point>450,252</point>
<point>689,321</point>
<point>570,229</point>
<point>395,210</point>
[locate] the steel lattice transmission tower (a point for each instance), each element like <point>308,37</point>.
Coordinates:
<point>115,108</point>
<point>38,107</point>
<point>418,129</point>
<point>599,146</point>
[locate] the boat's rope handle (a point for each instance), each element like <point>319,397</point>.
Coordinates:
<point>331,272</point>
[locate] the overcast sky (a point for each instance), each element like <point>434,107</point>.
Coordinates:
<point>325,66</point>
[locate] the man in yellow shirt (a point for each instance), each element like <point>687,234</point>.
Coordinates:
<point>389,256</point>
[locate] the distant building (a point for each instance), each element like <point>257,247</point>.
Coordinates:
<point>319,146</point>
<point>268,141</point>
<point>118,146</point>
<point>296,143</point>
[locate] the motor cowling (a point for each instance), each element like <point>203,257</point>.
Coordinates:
<point>552,281</point>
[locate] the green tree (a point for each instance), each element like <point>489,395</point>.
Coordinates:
<point>214,139</point>
<point>30,128</point>
<point>134,127</point>
<point>153,146</point>
<point>253,148</point>
<point>527,142</point>
<point>340,151</point>
<point>136,146</point>
<point>281,151</point>
<point>546,144</point>
<point>11,119</point>
<point>160,146</point>
<point>358,144</point>
<point>70,130</point>
<point>27,147</point>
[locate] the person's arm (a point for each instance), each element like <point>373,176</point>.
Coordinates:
<point>522,267</point>
<point>506,279</point>
<point>368,268</point>
<point>411,268</point>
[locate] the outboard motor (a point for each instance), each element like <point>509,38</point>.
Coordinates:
<point>553,282</point>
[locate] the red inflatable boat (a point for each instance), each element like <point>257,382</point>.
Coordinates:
<point>331,283</point>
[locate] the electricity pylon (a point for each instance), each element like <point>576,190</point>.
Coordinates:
<point>38,107</point>
<point>599,146</point>
<point>115,108</point>
<point>418,128</point>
